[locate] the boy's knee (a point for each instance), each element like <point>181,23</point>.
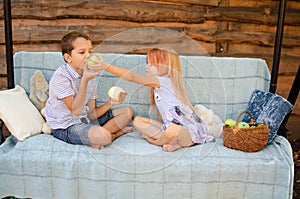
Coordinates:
<point>125,111</point>
<point>106,136</point>
<point>100,136</point>
<point>130,112</point>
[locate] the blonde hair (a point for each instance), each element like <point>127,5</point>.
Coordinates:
<point>168,64</point>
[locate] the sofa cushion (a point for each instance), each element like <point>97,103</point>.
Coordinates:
<point>270,108</point>
<point>18,113</point>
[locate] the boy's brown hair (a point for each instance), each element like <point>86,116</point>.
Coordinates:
<point>69,38</point>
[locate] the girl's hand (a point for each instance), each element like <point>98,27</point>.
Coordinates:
<point>102,65</point>
<point>96,63</point>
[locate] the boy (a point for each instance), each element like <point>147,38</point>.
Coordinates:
<point>71,109</point>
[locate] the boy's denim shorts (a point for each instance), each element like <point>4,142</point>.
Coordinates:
<point>78,133</point>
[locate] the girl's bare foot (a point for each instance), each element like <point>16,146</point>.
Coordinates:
<point>171,147</point>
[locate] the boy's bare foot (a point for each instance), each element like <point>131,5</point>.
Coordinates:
<point>128,129</point>
<point>171,147</point>
<point>97,146</point>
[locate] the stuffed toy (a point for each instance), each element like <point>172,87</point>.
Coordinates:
<point>213,122</point>
<point>39,90</point>
<point>46,128</point>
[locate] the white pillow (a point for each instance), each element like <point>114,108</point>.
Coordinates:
<point>18,113</point>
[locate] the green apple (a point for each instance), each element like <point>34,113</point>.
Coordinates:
<point>93,60</point>
<point>230,123</point>
<point>243,125</point>
<point>260,124</point>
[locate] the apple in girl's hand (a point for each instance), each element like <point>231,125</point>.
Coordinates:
<point>243,125</point>
<point>230,123</point>
<point>93,61</point>
<point>117,93</point>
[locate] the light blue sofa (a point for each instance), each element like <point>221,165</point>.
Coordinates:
<point>44,167</point>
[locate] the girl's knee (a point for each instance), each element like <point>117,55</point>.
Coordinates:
<point>181,134</point>
<point>138,120</point>
<point>172,131</point>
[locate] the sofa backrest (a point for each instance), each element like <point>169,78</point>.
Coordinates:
<point>221,84</point>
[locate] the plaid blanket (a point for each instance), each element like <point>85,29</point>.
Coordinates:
<point>44,167</point>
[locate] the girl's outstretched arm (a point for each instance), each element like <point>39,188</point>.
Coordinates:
<point>132,76</point>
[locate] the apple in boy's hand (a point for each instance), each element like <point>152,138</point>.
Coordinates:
<point>243,125</point>
<point>230,123</point>
<point>93,61</point>
<point>117,93</point>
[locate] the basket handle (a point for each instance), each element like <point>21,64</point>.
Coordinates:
<point>252,121</point>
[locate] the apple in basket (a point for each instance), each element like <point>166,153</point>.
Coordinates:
<point>256,125</point>
<point>243,125</point>
<point>230,122</point>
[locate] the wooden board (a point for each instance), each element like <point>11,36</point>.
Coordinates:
<point>230,28</point>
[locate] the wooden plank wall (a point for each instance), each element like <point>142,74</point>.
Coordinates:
<point>235,28</point>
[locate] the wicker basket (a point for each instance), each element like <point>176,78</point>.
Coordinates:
<point>250,139</point>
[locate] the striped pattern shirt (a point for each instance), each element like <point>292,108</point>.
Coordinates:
<point>66,82</point>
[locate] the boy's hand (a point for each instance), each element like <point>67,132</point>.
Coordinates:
<point>120,100</point>
<point>122,96</point>
<point>88,74</point>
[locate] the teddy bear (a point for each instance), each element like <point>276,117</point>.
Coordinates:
<point>46,128</point>
<point>213,122</point>
<point>39,92</point>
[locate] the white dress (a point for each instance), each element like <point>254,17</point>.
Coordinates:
<point>173,111</point>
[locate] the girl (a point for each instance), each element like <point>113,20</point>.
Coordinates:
<point>180,126</point>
